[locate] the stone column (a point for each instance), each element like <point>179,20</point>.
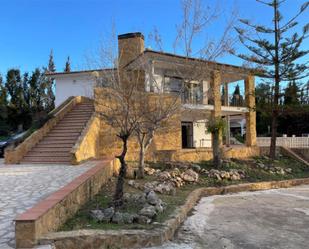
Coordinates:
<point>227,117</point>
<point>251,115</point>
<point>215,83</point>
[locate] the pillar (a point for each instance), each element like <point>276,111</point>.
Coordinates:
<point>215,83</point>
<point>251,114</point>
<point>227,117</point>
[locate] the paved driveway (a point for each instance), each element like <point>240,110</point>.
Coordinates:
<point>269,219</point>
<point>22,186</point>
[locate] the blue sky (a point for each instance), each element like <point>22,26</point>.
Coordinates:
<point>31,28</point>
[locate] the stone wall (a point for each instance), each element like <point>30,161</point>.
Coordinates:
<point>88,143</point>
<point>15,155</point>
<point>197,155</point>
<point>168,137</point>
<point>49,214</point>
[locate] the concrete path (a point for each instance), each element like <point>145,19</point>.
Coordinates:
<point>22,186</point>
<point>269,219</point>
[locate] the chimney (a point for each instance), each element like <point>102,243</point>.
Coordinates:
<point>130,46</point>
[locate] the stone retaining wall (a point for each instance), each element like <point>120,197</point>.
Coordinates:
<point>93,239</point>
<point>49,214</point>
<point>198,155</point>
<point>87,144</point>
<point>15,155</point>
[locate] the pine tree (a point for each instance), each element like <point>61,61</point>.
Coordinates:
<point>50,96</point>
<point>67,68</point>
<point>276,51</point>
<point>51,64</point>
<point>4,128</point>
<point>291,96</point>
<point>237,99</point>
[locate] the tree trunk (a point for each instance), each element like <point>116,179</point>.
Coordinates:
<point>141,163</point>
<point>216,150</point>
<point>143,148</point>
<point>118,196</point>
<point>275,111</point>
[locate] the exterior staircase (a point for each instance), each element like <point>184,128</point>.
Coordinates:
<point>56,145</point>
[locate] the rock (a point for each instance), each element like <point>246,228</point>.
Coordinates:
<point>139,198</point>
<point>174,173</point>
<point>118,218</point>
<point>149,171</point>
<point>189,176</point>
<point>177,181</point>
<point>148,211</point>
<point>234,177</point>
<point>159,208</point>
<point>97,214</point>
<point>143,220</point>
<point>281,171</point>
<point>152,198</point>
<point>196,167</point>
<point>150,186</point>
<point>288,170</point>
<point>128,218</point>
<point>134,184</point>
<point>164,176</point>
<point>165,188</point>
<point>204,171</point>
<point>108,214</point>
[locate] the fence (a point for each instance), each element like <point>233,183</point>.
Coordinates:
<point>290,142</point>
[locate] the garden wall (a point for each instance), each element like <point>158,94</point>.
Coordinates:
<point>198,155</point>
<point>51,213</point>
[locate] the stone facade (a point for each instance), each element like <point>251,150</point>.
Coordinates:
<point>168,137</point>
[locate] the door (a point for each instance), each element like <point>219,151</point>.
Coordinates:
<point>187,134</point>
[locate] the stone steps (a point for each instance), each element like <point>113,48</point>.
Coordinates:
<point>55,147</point>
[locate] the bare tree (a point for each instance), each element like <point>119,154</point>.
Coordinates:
<point>156,108</point>
<point>119,108</point>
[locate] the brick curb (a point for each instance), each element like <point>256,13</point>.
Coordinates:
<point>92,239</point>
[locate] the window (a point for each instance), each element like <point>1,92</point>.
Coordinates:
<point>172,84</point>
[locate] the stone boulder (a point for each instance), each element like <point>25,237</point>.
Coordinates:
<point>118,218</point>
<point>165,188</point>
<point>164,176</point>
<point>97,215</point>
<point>143,219</point>
<point>148,211</point>
<point>190,176</point>
<point>152,198</point>
<point>149,171</point>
